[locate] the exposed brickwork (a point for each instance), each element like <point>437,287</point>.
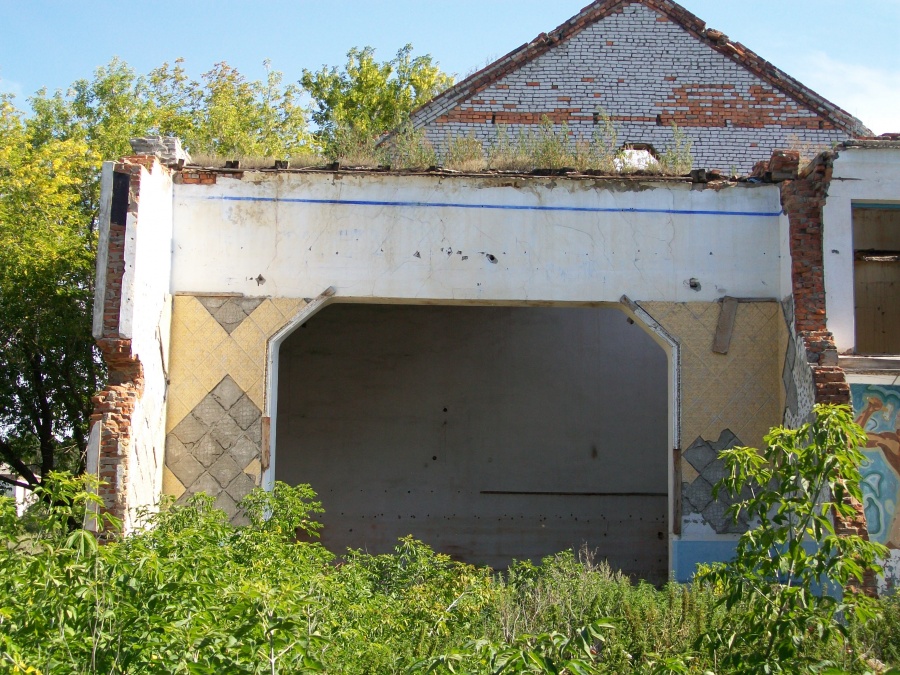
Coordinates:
<point>803,200</point>
<point>196,177</point>
<point>647,64</point>
<point>113,407</point>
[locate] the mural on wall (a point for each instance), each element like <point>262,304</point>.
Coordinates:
<point>876,408</point>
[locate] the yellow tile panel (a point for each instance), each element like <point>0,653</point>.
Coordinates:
<point>252,340</point>
<point>688,472</point>
<point>171,485</point>
<point>741,390</point>
<point>254,470</point>
<point>288,307</point>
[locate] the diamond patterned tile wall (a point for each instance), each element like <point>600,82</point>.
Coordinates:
<point>217,367</point>
<point>215,448</point>
<point>742,390</point>
<point>697,494</point>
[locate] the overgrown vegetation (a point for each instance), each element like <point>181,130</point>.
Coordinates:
<point>195,594</point>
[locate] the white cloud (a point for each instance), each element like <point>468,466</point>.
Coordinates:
<point>870,94</point>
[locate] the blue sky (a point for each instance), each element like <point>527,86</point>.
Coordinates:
<point>846,50</point>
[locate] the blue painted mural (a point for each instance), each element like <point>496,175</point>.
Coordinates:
<point>876,408</point>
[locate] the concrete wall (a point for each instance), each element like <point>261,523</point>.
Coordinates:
<point>491,433</point>
<point>861,174</point>
<point>646,72</point>
<point>484,239</point>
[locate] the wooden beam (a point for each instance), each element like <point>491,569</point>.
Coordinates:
<point>725,327</point>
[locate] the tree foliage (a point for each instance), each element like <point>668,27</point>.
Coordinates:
<point>48,367</point>
<point>365,98</point>
<point>789,584</point>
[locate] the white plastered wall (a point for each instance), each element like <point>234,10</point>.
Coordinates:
<point>145,317</point>
<point>485,239</point>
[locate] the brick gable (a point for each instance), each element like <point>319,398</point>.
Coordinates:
<point>647,64</point>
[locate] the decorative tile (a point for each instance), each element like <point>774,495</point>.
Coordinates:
<point>225,470</point>
<point>186,469</point>
<point>244,412</point>
<point>226,432</point>
<point>688,473</point>
<point>697,495</point>
<point>205,484</point>
<point>215,442</point>
<point>171,485</point>
<point>227,392</point>
<point>225,503</point>
<point>229,313</point>
<point>240,486</point>
<point>208,411</point>
<point>190,430</point>
<point>700,454</point>
<point>207,450</point>
<point>739,390</point>
<point>254,470</point>
<point>245,451</point>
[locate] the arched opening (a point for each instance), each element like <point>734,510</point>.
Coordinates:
<point>491,433</point>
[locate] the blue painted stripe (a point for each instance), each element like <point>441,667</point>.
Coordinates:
<point>503,207</point>
<point>875,206</point>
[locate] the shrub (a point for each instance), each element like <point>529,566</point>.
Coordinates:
<point>464,153</point>
<point>410,149</point>
<point>677,159</point>
<point>789,584</point>
<point>195,594</point>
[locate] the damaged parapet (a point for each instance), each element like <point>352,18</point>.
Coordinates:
<point>165,148</point>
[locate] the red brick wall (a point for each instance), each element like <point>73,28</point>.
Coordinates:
<point>803,200</point>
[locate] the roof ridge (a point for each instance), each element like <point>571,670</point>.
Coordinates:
<point>600,9</point>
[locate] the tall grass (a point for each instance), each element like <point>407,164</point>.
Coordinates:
<point>195,594</point>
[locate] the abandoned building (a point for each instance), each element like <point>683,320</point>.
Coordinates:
<point>646,64</point>
<point>501,365</point>
<point>508,365</point>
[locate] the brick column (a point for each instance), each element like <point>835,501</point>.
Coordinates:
<point>803,200</point>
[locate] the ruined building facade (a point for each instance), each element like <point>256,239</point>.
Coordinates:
<point>507,365</point>
<point>503,366</point>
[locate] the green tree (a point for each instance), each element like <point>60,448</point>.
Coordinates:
<point>367,98</point>
<point>784,586</point>
<point>48,366</point>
